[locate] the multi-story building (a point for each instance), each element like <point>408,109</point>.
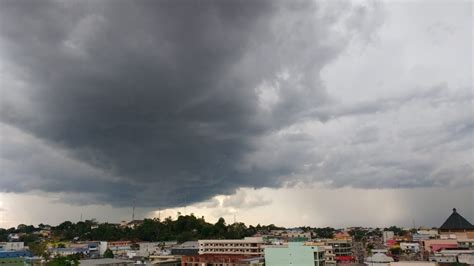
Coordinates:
<point>340,247</point>
<point>227,252</point>
<point>294,254</point>
<point>12,246</point>
<point>188,248</point>
<point>387,235</point>
<point>251,246</point>
<point>119,248</point>
<point>149,248</point>
<point>296,233</point>
<point>62,252</point>
<point>466,243</point>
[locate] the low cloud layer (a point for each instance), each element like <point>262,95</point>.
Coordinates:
<point>173,103</point>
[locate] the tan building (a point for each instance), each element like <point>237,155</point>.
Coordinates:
<point>246,246</point>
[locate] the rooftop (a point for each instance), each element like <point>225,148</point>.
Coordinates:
<point>456,222</point>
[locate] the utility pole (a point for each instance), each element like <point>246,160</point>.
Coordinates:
<point>133,210</point>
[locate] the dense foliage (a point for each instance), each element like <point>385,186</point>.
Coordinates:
<point>184,228</point>
<point>62,261</point>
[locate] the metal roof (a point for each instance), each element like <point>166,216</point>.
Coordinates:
<point>456,222</point>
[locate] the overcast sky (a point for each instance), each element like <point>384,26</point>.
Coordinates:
<point>326,113</point>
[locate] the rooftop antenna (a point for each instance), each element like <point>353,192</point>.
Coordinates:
<point>185,201</point>
<point>133,210</point>
<point>234,219</point>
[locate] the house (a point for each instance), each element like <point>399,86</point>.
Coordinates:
<point>410,247</point>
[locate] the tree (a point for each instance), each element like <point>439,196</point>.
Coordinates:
<point>62,261</point>
<point>108,254</point>
<point>326,232</point>
<point>37,248</point>
<point>396,250</point>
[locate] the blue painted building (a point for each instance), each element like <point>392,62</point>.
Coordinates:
<point>14,254</point>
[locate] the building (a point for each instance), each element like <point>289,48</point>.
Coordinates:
<point>380,250</point>
<point>248,246</point>
<point>92,248</point>
<point>62,252</point>
<point>165,260</point>
<point>329,256</point>
<point>466,243</point>
<point>466,258</point>
<point>449,255</point>
<point>387,235</point>
<point>378,259</point>
<point>296,234</point>
<point>456,223</point>
<point>226,252</point>
<point>294,254</point>
<point>434,245</point>
<point>12,246</point>
<point>413,263</point>
<point>14,237</point>
<point>342,249</point>
<point>119,248</point>
<point>410,247</point>
<point>189,248</point>
<point>433,233</point>
<point>420,237</point>
<point>14,254</point>
<point>106,262</point>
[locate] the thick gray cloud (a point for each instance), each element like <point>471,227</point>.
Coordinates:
<point>174,102</point>
<point>156,100</point>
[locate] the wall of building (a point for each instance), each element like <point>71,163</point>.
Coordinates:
<point>295,254</point>
<point>8,246</point>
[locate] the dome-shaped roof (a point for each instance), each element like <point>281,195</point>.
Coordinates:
<point>380,258</point>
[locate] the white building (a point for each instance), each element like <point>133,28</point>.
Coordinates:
<point>378,259</point>
<point>296,234</point>
<point>387,235</point>
<point>411,247</point>
<point>149,248</point>
<point>12,246</point>
<point>380,250</point>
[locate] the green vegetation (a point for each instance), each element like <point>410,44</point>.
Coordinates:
<point>396,250</point>
<point>62,261</point>
<point>108,254</point>
<point>326,232</point>
<point>37,248</point>
<point>184,228</point>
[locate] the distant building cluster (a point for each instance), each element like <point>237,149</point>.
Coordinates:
<point>450,244</point>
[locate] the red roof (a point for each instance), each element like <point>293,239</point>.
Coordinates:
<point>344,258</point>
<point>438,247</point>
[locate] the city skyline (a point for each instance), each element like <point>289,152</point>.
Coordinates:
<point>319,113</point>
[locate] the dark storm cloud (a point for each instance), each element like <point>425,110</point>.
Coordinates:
<point>157,99</point>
